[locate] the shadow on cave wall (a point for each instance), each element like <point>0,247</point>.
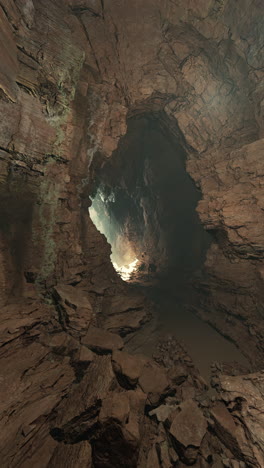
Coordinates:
<point>144,201</point>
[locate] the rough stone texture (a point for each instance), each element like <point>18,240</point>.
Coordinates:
<point>129,368</point>
<point>126,314</point>
<point>70,74</point>
<point>102,341</point>
<point>234,207</point>
<point>34,380</point>
<point>75,309</point>
<point>154,382</point>
<point>188,425</point>
<point>72,455</point>
<point>244,436</point>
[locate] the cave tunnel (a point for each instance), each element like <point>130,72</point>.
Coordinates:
<point>145,202</point>
<point>131,234</point>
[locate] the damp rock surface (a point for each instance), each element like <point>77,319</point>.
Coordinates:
<point>71,74</point>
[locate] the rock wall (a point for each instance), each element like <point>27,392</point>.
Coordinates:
<point>202,70</point>
<point>70,72</point>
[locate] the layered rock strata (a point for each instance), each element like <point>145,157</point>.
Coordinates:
<point>70,73</point>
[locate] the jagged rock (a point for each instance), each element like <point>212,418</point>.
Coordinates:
<point>78,414</point>
<point>241,429</point>
<point>33,384</point>
<point>164,455</point>
<point>127,322</point>
<point>154,382</point>
<point>178,374</point>
<point>115,443</point>
<point>9,63</point>
<point>134,425</point>
<point>70,72</point>
<point>73,297</point>
<point>61,343</point>
<point>153,459</point>
<point>115,406</point>
<point>125,303</point>
<point>226,428</point>
<point>69,456</point>
<point>163,412</point>
<point>102,341</point>
<point>86,355</point>
<point>128,367</point>
<point>173,455</point>
<point>77,308</point>
<point>188,425</point>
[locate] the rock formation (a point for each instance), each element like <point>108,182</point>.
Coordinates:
<point>73,74</point>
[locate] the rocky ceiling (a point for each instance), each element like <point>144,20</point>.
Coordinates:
<point>71,74</point>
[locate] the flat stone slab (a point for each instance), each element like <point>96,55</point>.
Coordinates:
<point>102,341</point>
<point>189,425</point>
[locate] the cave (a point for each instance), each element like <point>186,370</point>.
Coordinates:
<point>144,201</point>
<point>131,234</point>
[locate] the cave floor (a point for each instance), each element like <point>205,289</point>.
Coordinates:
<point>173,316</point>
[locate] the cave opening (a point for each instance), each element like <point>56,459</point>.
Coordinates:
<point>144,201</point>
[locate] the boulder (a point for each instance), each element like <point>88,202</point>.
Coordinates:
<point>126,314</point>
<point>118,434</point>
<point>77,310</point>
<point>115,406</point>
<point>241,430</point>
<point>127,322</point>
<point>86,355</point>
<point>128,367</point>
<point>189,425</point>
<point>163,412</point>
<point>137,401</point>
<point>154,382</point>
<point>102,341</point>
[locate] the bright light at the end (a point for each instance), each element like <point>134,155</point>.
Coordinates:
<point>126,271</point>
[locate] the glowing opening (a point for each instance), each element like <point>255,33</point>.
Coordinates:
<point>126,271</point>
<point>123,257</point>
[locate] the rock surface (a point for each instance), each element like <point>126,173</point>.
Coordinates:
<point>102,341</point>
<point>70,74</point>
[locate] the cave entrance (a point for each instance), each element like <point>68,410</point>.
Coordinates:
<point>145,202</point>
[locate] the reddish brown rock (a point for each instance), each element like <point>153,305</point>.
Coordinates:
<point>102,341</point>
<point>70,455</point>
<point>86,355</point>
<point>241,428</point>
<point>9,63</point>
<point>189,425</point>
<point>77,308</point>
<point>69,73</point>
<point>128,367</point>
<point>154,382</point>
<point>115,406</point>
<point>153,459</point>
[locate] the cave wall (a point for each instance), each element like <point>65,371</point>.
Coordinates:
<point>72,101</point>
<point>70,73</point>
<point>204,69</point>
<point>44,143</point>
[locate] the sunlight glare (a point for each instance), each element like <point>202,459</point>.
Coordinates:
<point>125,271</point>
